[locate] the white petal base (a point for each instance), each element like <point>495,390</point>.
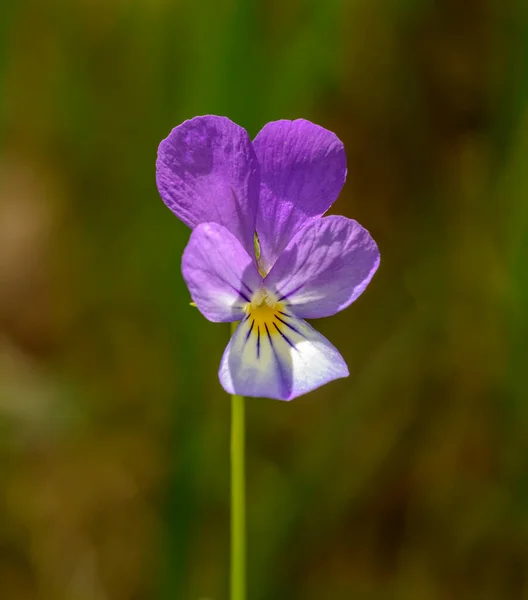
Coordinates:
<point>282,359</point>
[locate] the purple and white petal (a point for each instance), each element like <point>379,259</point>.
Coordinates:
<point>303,168</point>
<point>325,267</point>
<point>219,273</point>
<point>207,171</point>
<point>281,360</point>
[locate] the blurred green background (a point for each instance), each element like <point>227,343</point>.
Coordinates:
<point>409,479</point>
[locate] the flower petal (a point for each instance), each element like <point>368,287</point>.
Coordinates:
<point>219,273</point>
<point>325,267</point>
<point>207,171</point>
<point>281,360</point>
<point>303,168</point>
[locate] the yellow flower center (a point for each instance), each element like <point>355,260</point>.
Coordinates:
<point>265,313</point>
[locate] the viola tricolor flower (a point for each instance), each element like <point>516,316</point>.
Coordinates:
<point>260,251</point>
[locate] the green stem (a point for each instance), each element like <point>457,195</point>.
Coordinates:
<point>238,499</point>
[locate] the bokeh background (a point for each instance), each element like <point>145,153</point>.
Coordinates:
<point>408,480</point>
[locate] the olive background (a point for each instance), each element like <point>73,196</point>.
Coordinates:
<point>409,479</point>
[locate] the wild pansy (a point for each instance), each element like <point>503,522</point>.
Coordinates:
<point>260,251</point>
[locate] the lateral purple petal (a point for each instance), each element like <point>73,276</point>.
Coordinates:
<point>303,168</point>
<point>207,171</point>
<point>219,273</point>
<point>325,267</point>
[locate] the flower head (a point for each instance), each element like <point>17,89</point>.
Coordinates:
<point>261,251</point>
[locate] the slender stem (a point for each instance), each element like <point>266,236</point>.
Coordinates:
<point>238,499</point>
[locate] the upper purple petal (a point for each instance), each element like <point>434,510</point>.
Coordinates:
<point>303,168</point>
<point>326,266</point>
<point>219,273</point>
<point>207,171</point>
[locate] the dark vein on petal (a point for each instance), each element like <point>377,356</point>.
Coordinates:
<point>290,326</point>
<point>284,296</point>
<point>247,287</point>
<point>284,336</point>
<point>280,367</point>
<point>240,293</point>
<point>235,289</point>
<point>258,341</point>
<point>250,330</point>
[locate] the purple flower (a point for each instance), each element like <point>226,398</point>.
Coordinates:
<point>232,192</point>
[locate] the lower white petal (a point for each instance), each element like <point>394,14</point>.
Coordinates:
<point>279,357</point>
